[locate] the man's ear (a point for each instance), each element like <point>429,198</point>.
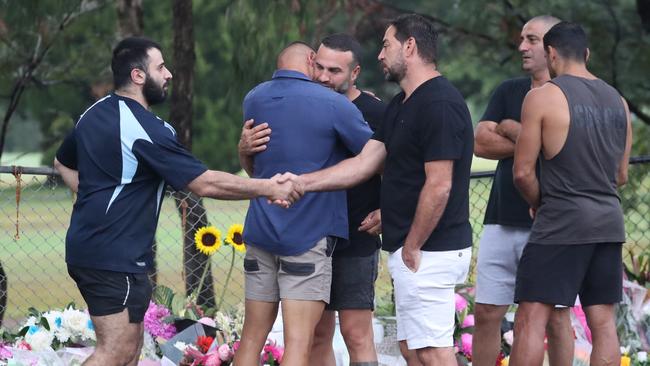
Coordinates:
<point>138,76</point>
<point>551,53</point>
<point>355,72</point>
<point>311,56</point>
<point>410,47</point>
<point>587,54</point>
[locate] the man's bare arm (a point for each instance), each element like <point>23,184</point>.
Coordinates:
<point>70,176</point>
<point>621,178</point>
<point>489,144</point>
<point>528,147</point>
<point>431,205</point>
<point>252,141</point>
<point>349,172</point>
<point>226,186</point>
<point>510,129</point>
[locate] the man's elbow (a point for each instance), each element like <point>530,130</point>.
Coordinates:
<point>480,151</point>
<point>442,190</point>
<point>521,176</point>
<point>200,186</point>
<point>57,165</point>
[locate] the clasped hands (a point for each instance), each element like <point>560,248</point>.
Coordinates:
<point>286,189</point>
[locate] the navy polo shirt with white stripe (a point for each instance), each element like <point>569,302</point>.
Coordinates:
<point>124,155</point>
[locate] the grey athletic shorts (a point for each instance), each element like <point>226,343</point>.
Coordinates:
<point>307,276</point>
<point>499,252</point>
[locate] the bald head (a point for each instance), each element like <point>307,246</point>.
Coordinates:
<point>547,21</point>
<point>297,56</point>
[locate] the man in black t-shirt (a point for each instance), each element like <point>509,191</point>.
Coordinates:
<point>425,145</point>
<point>507,222</point>
<point>355,261</point>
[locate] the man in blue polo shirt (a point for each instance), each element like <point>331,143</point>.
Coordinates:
<point>119,158</point>
<point>289,251</point>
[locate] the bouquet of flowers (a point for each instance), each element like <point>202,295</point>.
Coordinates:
<point>463,333</point>
<point>56,329</point>
<point>205,352</point>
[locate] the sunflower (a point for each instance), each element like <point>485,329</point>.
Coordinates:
<point>207,240</point>
<point>235,237</point>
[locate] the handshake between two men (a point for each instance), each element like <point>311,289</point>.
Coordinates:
<point>286,189</point>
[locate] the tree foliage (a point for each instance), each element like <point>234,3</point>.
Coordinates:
<point>236,43</point>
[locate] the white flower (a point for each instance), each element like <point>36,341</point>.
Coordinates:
<point>40,340</point>
<point>180,345</point>
<point>642,356</point>
<point>52,317</point>
<point>508,337</point>
<point>62,334</point>
<point>30,321</point>
<point>75,321</point>
<point>89,331</point>
<point>625,350</point>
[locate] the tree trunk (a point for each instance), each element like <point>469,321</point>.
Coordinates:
<point>129,18</point>
<point>191,209</point>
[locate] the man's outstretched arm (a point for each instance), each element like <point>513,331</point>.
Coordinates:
<point>226,186</point>
<point>348,173</point>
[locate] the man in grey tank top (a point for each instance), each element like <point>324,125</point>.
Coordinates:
<point>581,127</point>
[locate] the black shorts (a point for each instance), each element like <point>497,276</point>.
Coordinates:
<point>353,282</point>
<point>109,292</point>
<point>555,274</point>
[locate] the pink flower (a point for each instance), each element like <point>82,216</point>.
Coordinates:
<point>5,353</point>
<point>211,359</point>
<point>235,346</point>
<point>466,344</point>
<point>273,349</point>
<point>225,353</point>
<point>468,321</point>
<point>154,321</point>
<point>208,321</point>
<point>509,337</point>
<point>23,345</point>
<point>461,303</point>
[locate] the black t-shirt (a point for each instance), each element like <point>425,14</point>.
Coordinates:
<point>433,124</point>
<point>363,198</point>
<point>506,206</point>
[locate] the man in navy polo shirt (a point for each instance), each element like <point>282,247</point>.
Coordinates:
<point>424,146</point>
<point>289,251</point>
<point>119,158</point>
<point>355,261</point>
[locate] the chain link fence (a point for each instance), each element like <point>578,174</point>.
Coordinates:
<point>35,209</point>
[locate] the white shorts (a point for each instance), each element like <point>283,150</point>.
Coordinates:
<point>499,252</point>
<point>425,300</point>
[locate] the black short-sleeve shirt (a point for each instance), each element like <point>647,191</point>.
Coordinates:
<point>363,198</point>
<point>433,124</point>
<point>124,155</point>
<point>506,206</point>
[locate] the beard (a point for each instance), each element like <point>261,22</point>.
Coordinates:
<point>396,72</point>
<point>154,93</point>
<point>343,88</point>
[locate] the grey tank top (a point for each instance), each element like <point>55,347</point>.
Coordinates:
<point>579,199</point>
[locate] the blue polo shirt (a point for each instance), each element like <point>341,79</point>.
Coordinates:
<point>124,155</point>
<point>313,128</point>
